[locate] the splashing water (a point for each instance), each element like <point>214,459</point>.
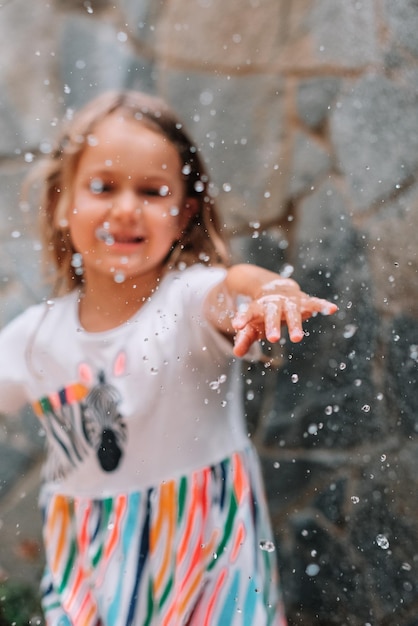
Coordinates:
<point>102,234</point>
<point>77,263</point>
<point>215,384</point>
<point>312,569</point>
<point>266,545</point>
<point>349,331</point>
<point>119,277</point>
<point>382,541</point>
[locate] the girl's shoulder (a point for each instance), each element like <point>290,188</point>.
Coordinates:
<point>198,276</point>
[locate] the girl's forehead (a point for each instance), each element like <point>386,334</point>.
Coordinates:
<point>119,122</point>
<point>120,139</point>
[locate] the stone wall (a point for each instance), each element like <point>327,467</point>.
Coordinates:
<point>307,115</point>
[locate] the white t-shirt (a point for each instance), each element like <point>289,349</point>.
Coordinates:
<point>125,409</point>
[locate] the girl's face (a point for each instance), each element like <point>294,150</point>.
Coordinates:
<point>128,204</point>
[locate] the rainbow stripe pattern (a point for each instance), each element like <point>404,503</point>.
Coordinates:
<point>184,553</point>
<point>53,402</point>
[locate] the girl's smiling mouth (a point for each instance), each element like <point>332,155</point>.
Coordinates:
<point>124,244</point>
<point>117,239</point>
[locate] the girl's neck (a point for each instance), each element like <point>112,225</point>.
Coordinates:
<point>102,309</point>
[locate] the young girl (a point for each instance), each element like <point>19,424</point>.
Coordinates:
<point>153,507</point>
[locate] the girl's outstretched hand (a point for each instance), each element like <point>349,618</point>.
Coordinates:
<point>281,301</point>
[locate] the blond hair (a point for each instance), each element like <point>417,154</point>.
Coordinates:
<point>201,240</point>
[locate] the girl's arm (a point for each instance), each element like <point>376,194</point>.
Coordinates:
<point>271,301</point>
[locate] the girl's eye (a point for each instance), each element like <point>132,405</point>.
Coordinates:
<point>97,185</point>
<point>163,191</point>
<point>158,192</point>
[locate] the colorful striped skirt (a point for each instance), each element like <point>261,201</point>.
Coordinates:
<point>194,551</point>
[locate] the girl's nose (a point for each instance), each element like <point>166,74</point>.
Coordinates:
<point>126,205</point>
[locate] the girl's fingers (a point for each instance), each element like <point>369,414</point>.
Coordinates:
<point>319,305</point>
<point>272,320</point>
<point>264,317</point>
<point>244,340</point>
<point>293,318</point>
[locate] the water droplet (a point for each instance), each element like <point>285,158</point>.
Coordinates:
<point>382,541</point>
<point>77,263</point>
<point>267,546</point>
<point>312,569</point>
<point>226,187</point>
<point>287,271</point>
<point>313,429</point>
<point>349,331</point>
<point>294,378</point>
<point>413,352</point>
<point>119,277</point>
<point>206,98</point>
<point>276,464</point>
<point>163,191</point>
<point>91,139</point>
<point>365,408</point>
<point>186,169</point>
<point>97,186</point>
<point>199,186</point>
<point>154,370</point>
<point>102,234</point>
<point>215,384</point>
<point>355,499</point>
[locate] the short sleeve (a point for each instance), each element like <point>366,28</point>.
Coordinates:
<point>14,374</point>
<point>197,282</point>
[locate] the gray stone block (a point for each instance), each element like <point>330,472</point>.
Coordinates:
<point>310,162</point>
<point>28,57</point>
<point>20,278</point>
<point>13,463</point>
<point>143,19</point>
<point>314,99</point>
<point>344,33</point>
<point>11,130</point>
<point>15,220</point>
<point>241,144</point>
<point>392,254</point>
<point>95,57</point>
<point>323,580</point>
<point>401,18</point>
<point>374,133</point>
<point>325,396</point>
<point>215,34</point>
<point>402,372</point>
